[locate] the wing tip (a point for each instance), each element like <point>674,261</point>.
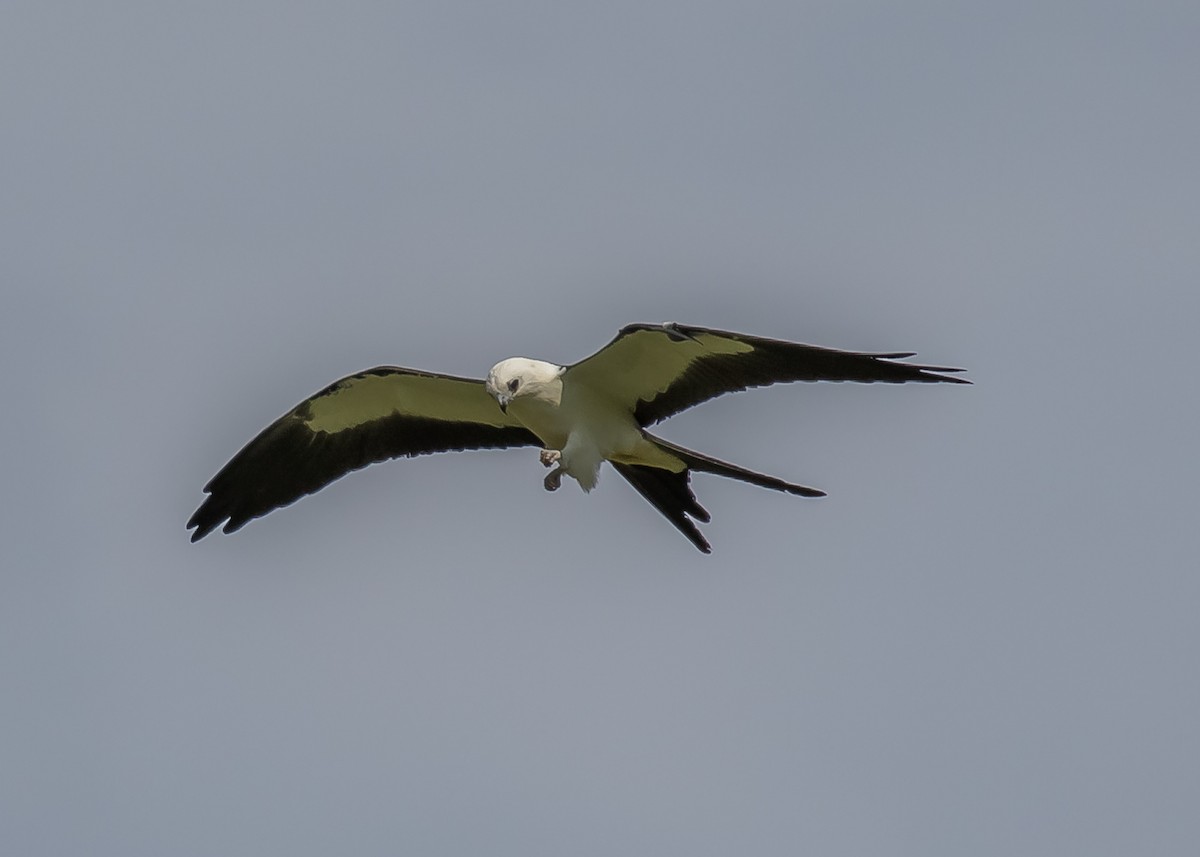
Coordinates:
<point>937,374</point>
<point>208,519</point>
<point>199,531</point>
<point>201,526</point>
<point>928,374</point>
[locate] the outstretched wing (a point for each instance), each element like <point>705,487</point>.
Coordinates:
<point>657,370</point>
<point>378,414</point>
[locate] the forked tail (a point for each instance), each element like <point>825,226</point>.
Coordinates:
<point>671,492</point>
<point>707,464</point>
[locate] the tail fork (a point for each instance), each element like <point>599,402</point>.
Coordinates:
<point>707,464</point>
<point>671,492</point>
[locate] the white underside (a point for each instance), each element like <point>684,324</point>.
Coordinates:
<point>587,431</point>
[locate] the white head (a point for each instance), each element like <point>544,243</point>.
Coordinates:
<point>520,377</point>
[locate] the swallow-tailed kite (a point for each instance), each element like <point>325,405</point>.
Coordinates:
<point>581,415</point>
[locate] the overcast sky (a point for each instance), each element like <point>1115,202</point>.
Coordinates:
<point>982,642</point>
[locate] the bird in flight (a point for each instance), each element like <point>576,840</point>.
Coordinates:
<point>581,415</point>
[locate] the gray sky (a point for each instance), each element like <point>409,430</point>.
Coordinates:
<point>982,642</point>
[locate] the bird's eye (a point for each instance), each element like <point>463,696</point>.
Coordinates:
<point>513,384</point>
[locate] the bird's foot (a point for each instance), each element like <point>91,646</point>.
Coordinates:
<point>549,457</point>
<point>553,479</point>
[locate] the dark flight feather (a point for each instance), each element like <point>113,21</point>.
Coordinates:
<point>671,494</point>
<point>290,458</point>
<point>664,369</point>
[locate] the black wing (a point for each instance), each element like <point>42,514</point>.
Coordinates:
<point>378,414</point>
<point>658,370</point>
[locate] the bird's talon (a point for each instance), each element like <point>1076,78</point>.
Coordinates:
<point>553,480</point>
<point>549,457</point>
